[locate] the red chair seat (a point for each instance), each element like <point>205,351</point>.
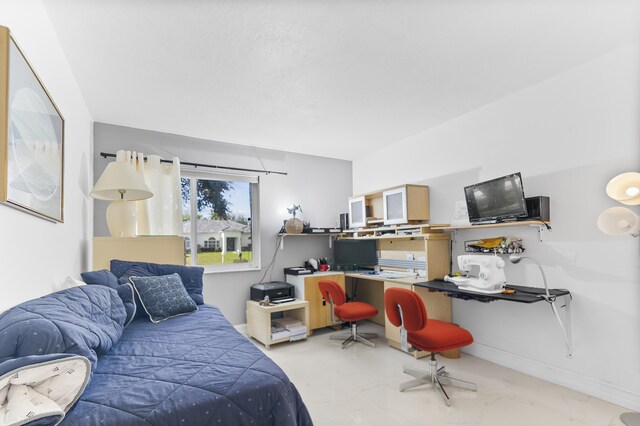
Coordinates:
<point>355,311</point>
<point>439,336</point>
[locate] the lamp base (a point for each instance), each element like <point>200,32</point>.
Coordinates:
<point>294,226</point>
<point>630,419</point>
<point>121,218</point>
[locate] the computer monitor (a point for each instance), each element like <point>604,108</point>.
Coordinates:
<point>351,255</point>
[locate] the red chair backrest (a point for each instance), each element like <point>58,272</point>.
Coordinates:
<point>331,289</point>
<point>414,313</point>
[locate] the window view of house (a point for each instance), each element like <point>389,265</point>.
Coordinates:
<point>222,212</point>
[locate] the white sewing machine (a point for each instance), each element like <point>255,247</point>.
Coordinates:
<point>485,273</point>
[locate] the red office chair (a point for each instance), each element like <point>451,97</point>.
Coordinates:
<point>405,309</point>
<point>348,312</point>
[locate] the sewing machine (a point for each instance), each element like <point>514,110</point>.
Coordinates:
<point>484,273</point>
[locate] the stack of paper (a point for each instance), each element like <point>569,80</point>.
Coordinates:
<point>278,332</point>
<point>298,332</point>
<point>288,327</point>
<point>275,335</point>
<point>286,322</point>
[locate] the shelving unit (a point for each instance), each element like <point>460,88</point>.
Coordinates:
<point>395,232</point>
<point>392,206</point>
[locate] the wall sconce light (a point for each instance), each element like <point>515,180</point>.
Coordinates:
<point>121,184</point>
<point>624,188</point>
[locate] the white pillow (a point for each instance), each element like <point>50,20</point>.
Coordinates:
<point>71,282</point>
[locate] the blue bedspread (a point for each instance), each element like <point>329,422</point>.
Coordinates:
<point>190,370</point>
<point>85,321</point>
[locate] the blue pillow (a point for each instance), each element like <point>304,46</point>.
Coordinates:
<point>127,294</point>
<point>106,278</point>
<point>163,297</point>
<point>191,276</point>
<point>135,271</point>
<point>101,277</point>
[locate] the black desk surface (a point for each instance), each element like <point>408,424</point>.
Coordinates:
<point>522,294</point>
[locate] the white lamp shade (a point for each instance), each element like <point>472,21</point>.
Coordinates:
<point>625,188</point>
<point>619,221</point>
<point>120,181</point>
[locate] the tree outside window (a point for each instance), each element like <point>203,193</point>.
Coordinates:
<point>222,236</point>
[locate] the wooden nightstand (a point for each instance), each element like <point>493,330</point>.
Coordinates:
<point>259,319</point>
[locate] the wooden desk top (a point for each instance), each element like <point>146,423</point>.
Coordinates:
<point>374,277</point>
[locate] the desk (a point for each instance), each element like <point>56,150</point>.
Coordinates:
<point>521,295</point>
<point>371,288</point>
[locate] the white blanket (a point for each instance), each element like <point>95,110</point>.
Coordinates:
<point>46,389</point>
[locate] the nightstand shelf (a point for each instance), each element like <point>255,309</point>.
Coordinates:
<point>259,319</point>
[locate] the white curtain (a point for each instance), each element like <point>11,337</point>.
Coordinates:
<point>162,213</point>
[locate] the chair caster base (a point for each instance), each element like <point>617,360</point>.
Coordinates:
<point>435,377</point>
<point>354,336</point>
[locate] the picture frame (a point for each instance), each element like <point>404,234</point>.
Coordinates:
<point>31,138</point>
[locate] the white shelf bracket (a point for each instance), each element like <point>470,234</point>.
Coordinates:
<point>282,242</point>
<point>540,231</point>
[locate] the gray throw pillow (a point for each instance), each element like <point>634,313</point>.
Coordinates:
<point>163,297</point>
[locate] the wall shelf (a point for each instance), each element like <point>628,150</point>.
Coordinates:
<point>330,235</point>
<point>535,223</point>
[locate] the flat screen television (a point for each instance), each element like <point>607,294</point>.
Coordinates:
<point>496,200</point>
<point>351,255</point>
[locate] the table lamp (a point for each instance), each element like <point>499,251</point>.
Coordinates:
<point>294,225</point>
<point>120,183</point>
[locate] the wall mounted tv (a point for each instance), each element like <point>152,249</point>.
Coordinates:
<point>349,255</point>
<point>496,200</point>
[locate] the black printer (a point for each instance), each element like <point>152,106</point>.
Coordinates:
<point>277,291</point>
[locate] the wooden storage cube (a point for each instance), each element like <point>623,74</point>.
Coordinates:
<point>259,319</point>
<point>406,204</point>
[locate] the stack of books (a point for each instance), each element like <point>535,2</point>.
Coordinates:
<point>292,328</point>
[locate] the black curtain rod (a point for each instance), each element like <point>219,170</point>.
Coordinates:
<point>107,155</point>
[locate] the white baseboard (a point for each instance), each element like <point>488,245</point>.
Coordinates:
<point>242,328</point>
<point>568,379</point>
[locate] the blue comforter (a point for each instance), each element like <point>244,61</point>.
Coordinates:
<point>84,321</point>
<point>190,370</point>
<point>194,369</point>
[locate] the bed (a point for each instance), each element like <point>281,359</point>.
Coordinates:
<point>193,369</point>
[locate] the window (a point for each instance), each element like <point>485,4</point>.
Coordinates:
<point>212,243</point>
<point>224,234</point>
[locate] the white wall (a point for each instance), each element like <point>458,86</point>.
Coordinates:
<point>320,185</point>
<point>36,256</point>
<point>568,136</point>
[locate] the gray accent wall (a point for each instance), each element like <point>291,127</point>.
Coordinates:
<point>320,185</point>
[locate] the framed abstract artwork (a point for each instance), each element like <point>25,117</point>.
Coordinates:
<point>31,138</point>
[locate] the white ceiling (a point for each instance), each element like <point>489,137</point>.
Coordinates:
<point>327,77</point>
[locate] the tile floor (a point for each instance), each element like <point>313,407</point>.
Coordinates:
<point>359,386</point>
